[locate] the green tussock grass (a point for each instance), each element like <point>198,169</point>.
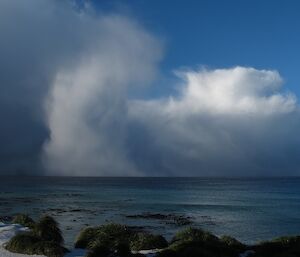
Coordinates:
<point>115,239</point>
<point>192,242</point>
<point>146,241</point>
<point>47,228</point>
<point>288,246</point>
<point>29,243</point>
<point>45,238</point>
<point>24,220</point>
<point>194,234</point>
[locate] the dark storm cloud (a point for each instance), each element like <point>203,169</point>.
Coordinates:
<point>44,46</point>
<point>31,49</point>
<point>38,38</point>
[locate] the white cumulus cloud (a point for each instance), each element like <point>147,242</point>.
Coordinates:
<point>223,122</point>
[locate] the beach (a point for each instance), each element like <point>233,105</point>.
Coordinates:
<point>6,233</point>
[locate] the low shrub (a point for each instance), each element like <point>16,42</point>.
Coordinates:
<point>195,235</point>
<point>47,228</point>
<point>29,243</point>
<point>197,242</point>
<point>45,238</point>
<point>228,240</point>
<point>111,234</point>
<point>232,242</point>
<point>279,247</point>
<point>22,243</point>
<point>117,240</point>
<point>123,249</point>
<point>98,249</point>
<point>287,240</point>
<point>86,236</point>
<point>24,220</point>
<point>146,241</point>
<point>50,249</point>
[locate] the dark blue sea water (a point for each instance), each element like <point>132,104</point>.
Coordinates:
<point>248,209</point>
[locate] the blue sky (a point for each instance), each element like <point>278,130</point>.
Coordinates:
<point>220,34</point>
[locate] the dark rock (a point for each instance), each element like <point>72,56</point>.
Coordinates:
<point>6,218</point>
<point>174,219</point>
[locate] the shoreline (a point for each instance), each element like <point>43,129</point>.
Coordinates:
<point>8,231</point>
<point>222,207</point>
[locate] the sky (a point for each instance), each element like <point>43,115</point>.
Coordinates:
<point>149,88</point>
<point>261,34</point>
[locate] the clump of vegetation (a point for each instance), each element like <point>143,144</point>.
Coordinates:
<point>232,242</point>
<point>45,238</point>
<point>197,242</point>
<point>123,249</point>
<point>98,248</point>
<point>279,247</point>
<point>50,249</point>
<point>109,234</point>
<point>47,228</point>
<point>23,220</point>
<point>29,243</point>
<point>146,241</point>
<point>22,242</point>
<point>195,235</point>
<point>105,240</point>
<point>287,240</point>
<point>86,236</point>
<point>116,240</point>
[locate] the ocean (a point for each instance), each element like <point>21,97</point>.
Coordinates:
<point>249,209</point>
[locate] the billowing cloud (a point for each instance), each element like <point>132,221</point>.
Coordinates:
<point>223,122</point>
<point>66,76</point>
<point>87,106</point>
<point>233,91</point>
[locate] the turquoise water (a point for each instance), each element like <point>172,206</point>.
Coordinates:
<point>248,209</point>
